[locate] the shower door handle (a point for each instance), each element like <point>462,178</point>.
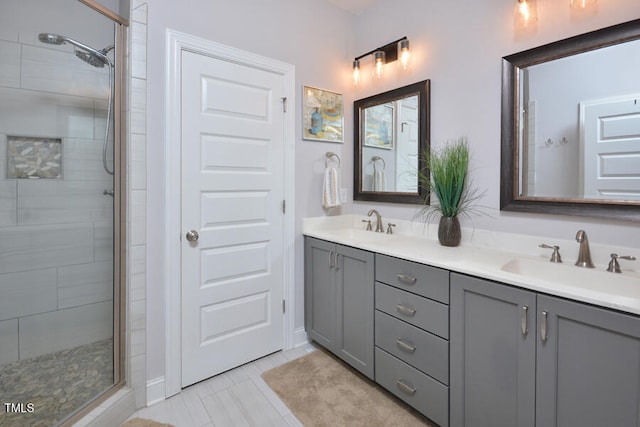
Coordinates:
<point>192,236</point>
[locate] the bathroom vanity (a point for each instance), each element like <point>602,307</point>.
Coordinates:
<point>476,335</point>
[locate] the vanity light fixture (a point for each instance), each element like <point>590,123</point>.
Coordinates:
<point>393,51</point>
<point>526,14</point>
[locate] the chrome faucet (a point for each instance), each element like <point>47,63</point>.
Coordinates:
<point>614,265</point>
<point>584,255</point>
<point>379,227</point>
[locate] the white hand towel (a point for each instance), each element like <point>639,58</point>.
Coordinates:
<point>331,188</point>
<point>378,179</point>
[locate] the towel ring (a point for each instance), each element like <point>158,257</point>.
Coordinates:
<point>376,158</point>
<point>328,157</point>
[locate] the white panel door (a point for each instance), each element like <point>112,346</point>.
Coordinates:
<point>407,155</point>
<point>232,195</point>
<point>611,148</point>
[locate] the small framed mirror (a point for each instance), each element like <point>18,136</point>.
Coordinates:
<point>571,126</point>
<point>391,131</point>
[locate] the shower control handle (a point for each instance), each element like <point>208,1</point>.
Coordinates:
<point>192,236</point>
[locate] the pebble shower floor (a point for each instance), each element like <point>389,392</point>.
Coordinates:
<point>55,385</point>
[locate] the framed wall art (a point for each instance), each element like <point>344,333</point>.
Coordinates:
<point>378,126</point>
<point>322,115</point>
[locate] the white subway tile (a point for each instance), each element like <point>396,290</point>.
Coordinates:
<point>138,33</point>
<point>137,162</point>
<point>9,64</point>
<point>63,329</point>
<point>28,293</point>
<point>31,113</point>
<point>52,70</point>
<point>85,284</point>
<point>8,203</point>
<point>137,217</point>
<point>56,202</point>
<point>83,161</point>
<point>103,240</point>
<point>40,247</point>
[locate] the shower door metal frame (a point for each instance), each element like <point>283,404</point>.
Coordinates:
<point>119,216</point>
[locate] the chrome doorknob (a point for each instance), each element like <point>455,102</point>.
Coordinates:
<point>192,236</point>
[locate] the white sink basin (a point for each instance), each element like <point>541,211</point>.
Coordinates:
<point>356,235</point>
<point>570,274</point>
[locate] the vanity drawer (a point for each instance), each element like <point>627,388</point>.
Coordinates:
<point>420,349</point>
<point>430,282</point>
<point>424,313</point>
<point>425,394</point>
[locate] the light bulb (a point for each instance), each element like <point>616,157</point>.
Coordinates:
<point>526,14</point>
<point>379,61</point>
<point>356,72</point>
<point>404,54</point>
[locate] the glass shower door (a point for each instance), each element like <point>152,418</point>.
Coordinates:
<point>56,209</point>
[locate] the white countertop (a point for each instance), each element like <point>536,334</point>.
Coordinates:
<point>509,258</point>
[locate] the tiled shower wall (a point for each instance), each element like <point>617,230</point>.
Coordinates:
<point>55,234</point>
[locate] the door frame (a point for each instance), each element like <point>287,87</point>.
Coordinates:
<point>176,42</point>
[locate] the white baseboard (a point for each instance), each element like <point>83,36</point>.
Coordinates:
<point>155,391</point>
<point>300,337</point>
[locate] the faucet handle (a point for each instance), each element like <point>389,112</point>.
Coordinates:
<point>555,256</point>
<point>614,265</point>
<point>368,221</point>
<point>389,229</point>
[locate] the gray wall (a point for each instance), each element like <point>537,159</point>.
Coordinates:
<point>458,45</point>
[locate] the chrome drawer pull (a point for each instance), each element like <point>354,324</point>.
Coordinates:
<point>405,346</point>
<point>405,310</point>
<point>523,320</point>
<point>543,326</point>
<point>406,279</point>
<point>402,386</point>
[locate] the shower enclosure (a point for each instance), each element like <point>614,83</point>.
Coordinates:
<point>60,197</point>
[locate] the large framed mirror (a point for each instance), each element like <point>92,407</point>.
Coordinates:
<point>571,126</point>
<point>391,131</point>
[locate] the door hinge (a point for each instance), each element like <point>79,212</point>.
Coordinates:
<point>284,308</point>
<point>284,104</point>
<point>284,206</point>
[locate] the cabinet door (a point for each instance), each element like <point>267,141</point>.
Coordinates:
<point>320,291</point>
<point>493,337</point>
<point>588,368</point>
<point>354,343</point>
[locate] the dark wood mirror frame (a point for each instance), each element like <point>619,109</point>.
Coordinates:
<point>422,89</point>
<point>511,65</point>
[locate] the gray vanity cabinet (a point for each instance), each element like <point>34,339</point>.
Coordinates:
<point>588,367</point>
<point>492,354</point>
<point>339,301</point>
<point>519,358</point>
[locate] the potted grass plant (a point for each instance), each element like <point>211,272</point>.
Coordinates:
<point>445,176</point>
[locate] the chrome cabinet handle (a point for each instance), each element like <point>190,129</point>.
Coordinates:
<point>404,346</point>
<point>405,310</point>
<point>192,236</point>
<point>409,280</point>
<point>523,320</point>
<point>331,260</point>
<point>407,389</point>
<point>543,326</point>
<point>337,261</point>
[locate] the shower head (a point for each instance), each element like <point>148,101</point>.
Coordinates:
<point>90,58</point>
<point>50,38</point>
<point>86,53</point>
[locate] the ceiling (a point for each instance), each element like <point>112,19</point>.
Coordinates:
<point>353,6</point>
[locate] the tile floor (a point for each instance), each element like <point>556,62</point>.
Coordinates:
<point>239,397</point>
